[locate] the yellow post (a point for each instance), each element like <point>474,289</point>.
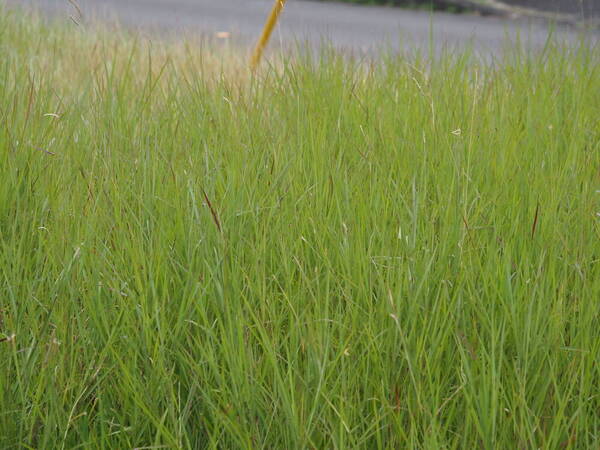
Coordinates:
<point>266,33</point>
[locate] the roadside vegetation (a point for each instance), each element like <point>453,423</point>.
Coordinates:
<point>332,253</point>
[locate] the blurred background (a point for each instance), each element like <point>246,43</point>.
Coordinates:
<point>357,25</point>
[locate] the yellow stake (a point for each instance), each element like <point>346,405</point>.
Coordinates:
<point>266,33</point>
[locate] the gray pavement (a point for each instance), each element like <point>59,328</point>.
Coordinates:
<point>357,28</point>
<point>581,9</point>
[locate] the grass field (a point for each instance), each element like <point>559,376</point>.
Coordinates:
<point>334,253</point>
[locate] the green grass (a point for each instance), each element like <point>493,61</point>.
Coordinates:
<point>330,254</point>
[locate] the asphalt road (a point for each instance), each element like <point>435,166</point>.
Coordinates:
<point>359,28</point>
<point>583,9</point>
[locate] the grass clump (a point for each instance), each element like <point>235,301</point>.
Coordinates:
<point>401,254</point>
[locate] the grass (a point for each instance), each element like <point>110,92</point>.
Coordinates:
<point>331,254</point>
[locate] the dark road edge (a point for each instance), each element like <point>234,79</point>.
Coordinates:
<point>501,9</point>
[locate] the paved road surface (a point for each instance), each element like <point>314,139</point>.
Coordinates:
<point>361,28</point>
<point>583,9</point>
